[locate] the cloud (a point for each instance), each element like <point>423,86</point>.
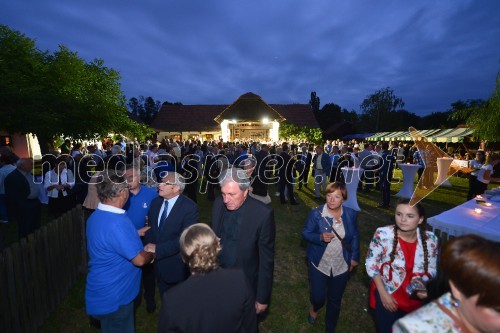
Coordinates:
<point>210,52</point>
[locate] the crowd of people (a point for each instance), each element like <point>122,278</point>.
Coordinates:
<point>143,233</point>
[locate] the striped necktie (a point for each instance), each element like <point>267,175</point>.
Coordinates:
<point>163,214</point>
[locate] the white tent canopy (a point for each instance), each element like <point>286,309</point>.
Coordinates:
<point>432,135</point>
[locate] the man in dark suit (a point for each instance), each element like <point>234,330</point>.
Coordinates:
<point>168,216</point>
<point>304,166</point>
<point>286,176</point>
<point>189,170</point>
<point>247,231</point>
<point>261,172</point>
<point>388,161</point>
<point>345,161</point>
<point>210,172</point>
<point>22,197</point>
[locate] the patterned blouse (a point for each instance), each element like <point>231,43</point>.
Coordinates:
<point>332,262</point>
<point>428,319</point>
<point>393,275</point>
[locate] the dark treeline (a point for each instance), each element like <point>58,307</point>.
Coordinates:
<point>383,111</point>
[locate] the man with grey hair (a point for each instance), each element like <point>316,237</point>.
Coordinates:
<point>169,215</point>
<point>247,231</point>
<point>116,254</point>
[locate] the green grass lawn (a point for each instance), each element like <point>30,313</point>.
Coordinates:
<point>289,304</point>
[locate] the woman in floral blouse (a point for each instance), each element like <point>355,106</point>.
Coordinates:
<point>401,258</point>
<point>473,305</point>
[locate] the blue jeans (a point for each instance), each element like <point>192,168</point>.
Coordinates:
<point>319,179</point>
<point>330,288</point>
<point>120,321</point>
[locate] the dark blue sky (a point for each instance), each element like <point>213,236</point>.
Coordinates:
<point>431,53</point>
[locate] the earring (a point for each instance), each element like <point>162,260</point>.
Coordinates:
<point>454,301</point>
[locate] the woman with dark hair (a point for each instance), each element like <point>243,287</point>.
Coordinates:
<point>481,176</point>
<point>332,253</point>
<point>212,299</point>
<point>58,182</point>
<point>470,264</point>
<point>401,258</point>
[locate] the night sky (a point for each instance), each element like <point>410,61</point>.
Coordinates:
<point>431,53</point>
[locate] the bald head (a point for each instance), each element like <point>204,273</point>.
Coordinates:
<point>25,164</point>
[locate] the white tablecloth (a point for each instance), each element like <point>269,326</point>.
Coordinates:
<point>351,176</point>
<point>443,164</point>
<point>461,163</point>
<point>463,220</point>
<point>409,172</point>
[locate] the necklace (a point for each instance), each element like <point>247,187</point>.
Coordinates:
<point>337,222</point>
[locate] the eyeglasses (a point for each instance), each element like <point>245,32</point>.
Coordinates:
<point>168,183</point>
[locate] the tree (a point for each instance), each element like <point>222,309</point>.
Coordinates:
<point>379,105</point>
<point>329,115</point>
<point>350,116</point>
<point>297,133</point>
<point>151,109</point>
<point>59,94</point>
<point>314,101</point>
<point>146,108</point>
<point>483,117</point>
<point>134,106</point>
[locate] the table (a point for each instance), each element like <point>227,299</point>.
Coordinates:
<point>461,164</point>
<point>409,172</point>
<point>443,164</point>
<point>352,177</point>
<point>463,220</point>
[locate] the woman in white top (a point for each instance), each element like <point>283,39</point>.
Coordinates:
<point>481,176</point>
<point>58,182</point>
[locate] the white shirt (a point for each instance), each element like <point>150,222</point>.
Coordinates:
<point>480,173</point>
<point>171,203</point>
<point>109,208</point>
<point>52,178</point>
<point>318,165</point>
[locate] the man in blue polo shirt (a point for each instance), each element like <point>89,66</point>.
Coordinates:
<point>116,254</point>
<point>137,208</point>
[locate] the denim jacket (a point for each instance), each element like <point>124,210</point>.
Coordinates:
<point>315,225</point>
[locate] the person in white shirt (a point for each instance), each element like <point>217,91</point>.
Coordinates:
<point>481,176</point>
<point>58,182</point>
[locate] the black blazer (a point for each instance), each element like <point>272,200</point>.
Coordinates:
<point>262,173</point>
<point>255,243</point>
<point>169,266</point>
<point>17,188</point>
<point>304,165</point>
<point>286,168</point>
<point>218,302</point>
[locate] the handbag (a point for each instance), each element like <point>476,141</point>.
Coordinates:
<point>342,241</point>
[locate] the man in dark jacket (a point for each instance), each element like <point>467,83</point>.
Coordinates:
<point>168,216</point>
<point>385,173</point>
<point>22,197</point>
<point>286,180</point>
<point>247,231</point>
